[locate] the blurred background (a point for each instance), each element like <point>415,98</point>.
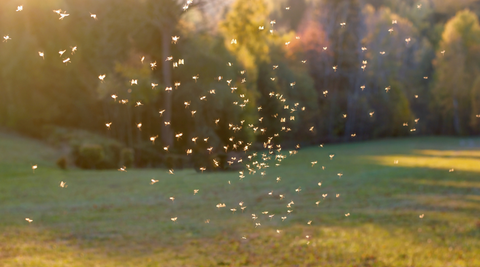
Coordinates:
<point>104,79</point>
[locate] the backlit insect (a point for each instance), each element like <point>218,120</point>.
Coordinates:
<point>63,15</point>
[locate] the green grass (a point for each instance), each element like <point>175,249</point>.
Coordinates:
<point>112,218</point>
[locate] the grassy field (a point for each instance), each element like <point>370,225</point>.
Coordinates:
<point>113,218</point>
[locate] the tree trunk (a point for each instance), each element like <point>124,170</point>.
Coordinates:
<point>167,133</point>
<point>456,117</point>
<point>351,108</point>
<point>129,125</point>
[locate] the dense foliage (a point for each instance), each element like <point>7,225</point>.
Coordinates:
<point>299,71</point>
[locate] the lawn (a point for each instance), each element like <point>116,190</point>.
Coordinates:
<point>410,202</point>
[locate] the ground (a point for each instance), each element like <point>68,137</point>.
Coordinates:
<point>114,218</point>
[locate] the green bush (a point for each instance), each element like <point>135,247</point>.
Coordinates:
<point>127,157</point>
<point>147,155</point>
<point>113,156</point>
<point>62,163</point>
<point>76,139</point>
<point>222,159</point>
<point>184,161</point>
<point>180,163</point>
<point>200,159</point>
<point>170,162</point>
<point>90,156</point>
<point>207,160</point>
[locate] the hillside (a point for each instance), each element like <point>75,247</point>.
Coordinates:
<point>21,153</point>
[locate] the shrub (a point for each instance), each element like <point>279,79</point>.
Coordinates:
<point>222,159</point>
<point>62,163</point>
<point>207,161</point>
<point>201,160</point>
<point>180,163</point>
<point>147,155</point>
<point>170,162</point>
<point>76,139</point>
<point>127,157</point>
<point>90,156</point>
<point>113,156</point>
<point>232,161</point>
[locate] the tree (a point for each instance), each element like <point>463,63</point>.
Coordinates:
<point>343,24</point>
<point>395,53</point>
<point>249,43</point>
<point>165,15</point>
<point>456,67</point>
<point>475,97</point>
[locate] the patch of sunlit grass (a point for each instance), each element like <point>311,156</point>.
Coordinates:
<point>463,161</point>
<point>450,153</point>
<point>444,183</point>
<point>365,245</point>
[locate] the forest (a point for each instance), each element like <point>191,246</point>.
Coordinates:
<point>137,82</point>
